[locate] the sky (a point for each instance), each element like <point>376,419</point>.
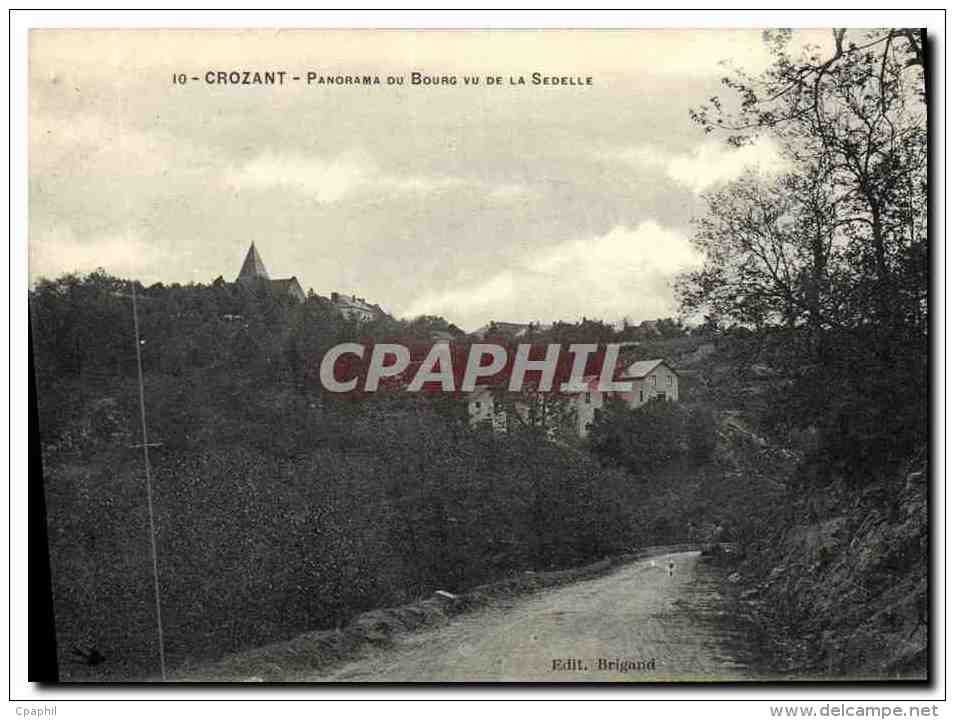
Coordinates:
<point>501,202</point>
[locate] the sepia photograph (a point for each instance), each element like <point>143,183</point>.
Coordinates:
<point>511,356</point>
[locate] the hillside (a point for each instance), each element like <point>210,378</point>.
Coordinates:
<point>282,509</point>
<point>832,566</point>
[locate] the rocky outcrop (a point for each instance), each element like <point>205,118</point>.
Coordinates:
<point>840,591</point>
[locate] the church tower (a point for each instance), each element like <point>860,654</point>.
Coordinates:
<point>253,274</point>
<point>253,267</point>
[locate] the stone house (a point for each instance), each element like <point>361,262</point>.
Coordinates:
<point>651,380</point>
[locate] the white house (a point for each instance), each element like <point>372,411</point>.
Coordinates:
<point>515,331</point>
<point>651,379</point>
<point>483,407</point>
<point>353,307</point>
<point>587,405</point>
<point>501,410</point>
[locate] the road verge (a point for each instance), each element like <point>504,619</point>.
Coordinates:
<point>318,651</point>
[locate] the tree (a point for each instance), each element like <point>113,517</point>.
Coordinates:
<point>854,125</point>
<point>642,440</point>
<point>670,327</point>
<point>826,261</point>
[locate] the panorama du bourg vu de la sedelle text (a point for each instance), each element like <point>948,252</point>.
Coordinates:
<point>415,78</point>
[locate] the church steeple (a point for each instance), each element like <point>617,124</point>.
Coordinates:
<point>253,267</point>
<point>254,276</point>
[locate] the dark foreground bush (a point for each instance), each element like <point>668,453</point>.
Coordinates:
<point>653,436</point>
<point>284,519</point>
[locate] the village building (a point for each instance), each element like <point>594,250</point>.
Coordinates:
<point>357,308</point>
<point>501,329</point>
<point>253,272</point>
<point>587,405</point>
<point>650,379</point>
<point>442,336</point>
<point>502,411</point>
<point>484,408</point>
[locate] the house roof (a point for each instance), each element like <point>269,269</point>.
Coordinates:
<point>283,285</point>
<point>513,329</point>
<point>253,265</point>
<point>505,328</point>
<point>351,301</point>
<point>478,392</point>
<point>642,368</point>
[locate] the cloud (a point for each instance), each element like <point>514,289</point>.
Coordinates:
<point>60,250</point>
<point>332,181</point>
<point>512,192</point>
<point>709,164</point>
<point>329,181</point>
<point>324,181</point>
<point>620,254</point>
<point>702,52</point>
<point>85,141</point>
<point>626,271</point>
<point>469,301</point>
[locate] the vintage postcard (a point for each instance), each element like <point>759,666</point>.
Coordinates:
<point>456,356</point>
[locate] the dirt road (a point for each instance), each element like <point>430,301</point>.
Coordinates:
<point>654,626</point>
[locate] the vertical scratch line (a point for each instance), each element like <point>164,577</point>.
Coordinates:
<point>149,489</point>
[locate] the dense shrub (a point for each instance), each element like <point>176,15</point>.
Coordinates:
<point>278,508</point>
<point>261,541</point>
<point>653,436</point>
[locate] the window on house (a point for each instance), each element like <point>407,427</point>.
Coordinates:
<point>641,396</point>
<point>661,396</point>
<point>477,406</point>
<point>587,398</point>
<point>669,379</point>
<point>653,380</point>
